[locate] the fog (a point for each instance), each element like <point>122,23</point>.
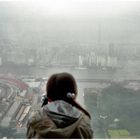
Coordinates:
<point>34,28</point>
<point>97,41</point>
<point>67,21</point>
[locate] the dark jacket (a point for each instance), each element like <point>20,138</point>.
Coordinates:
<point>59,119</point>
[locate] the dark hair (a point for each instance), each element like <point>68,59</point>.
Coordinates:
<point>59,85</point>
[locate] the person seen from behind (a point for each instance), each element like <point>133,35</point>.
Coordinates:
<point>60,116</point>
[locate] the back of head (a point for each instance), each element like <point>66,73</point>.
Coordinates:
<point>59,85</point>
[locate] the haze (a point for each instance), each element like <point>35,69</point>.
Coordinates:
<point>74,20</point>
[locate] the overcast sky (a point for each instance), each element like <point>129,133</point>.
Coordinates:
<point>96,8</point>
<point>118,20</point>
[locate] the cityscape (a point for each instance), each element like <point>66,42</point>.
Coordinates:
<point>101,51</point>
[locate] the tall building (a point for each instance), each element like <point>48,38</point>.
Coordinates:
<point>111,50</point>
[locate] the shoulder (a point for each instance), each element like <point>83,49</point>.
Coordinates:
<point>38,119</point>
<point>85,121</point>
<point>85,126</point>
<point>35,116</point>
<point>38,124</point>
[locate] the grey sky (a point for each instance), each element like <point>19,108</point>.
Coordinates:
<point>77,20</point>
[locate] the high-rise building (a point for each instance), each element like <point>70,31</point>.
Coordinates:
<point>111,50</point>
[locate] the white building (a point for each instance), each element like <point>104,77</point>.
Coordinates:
<point>111,61</point>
